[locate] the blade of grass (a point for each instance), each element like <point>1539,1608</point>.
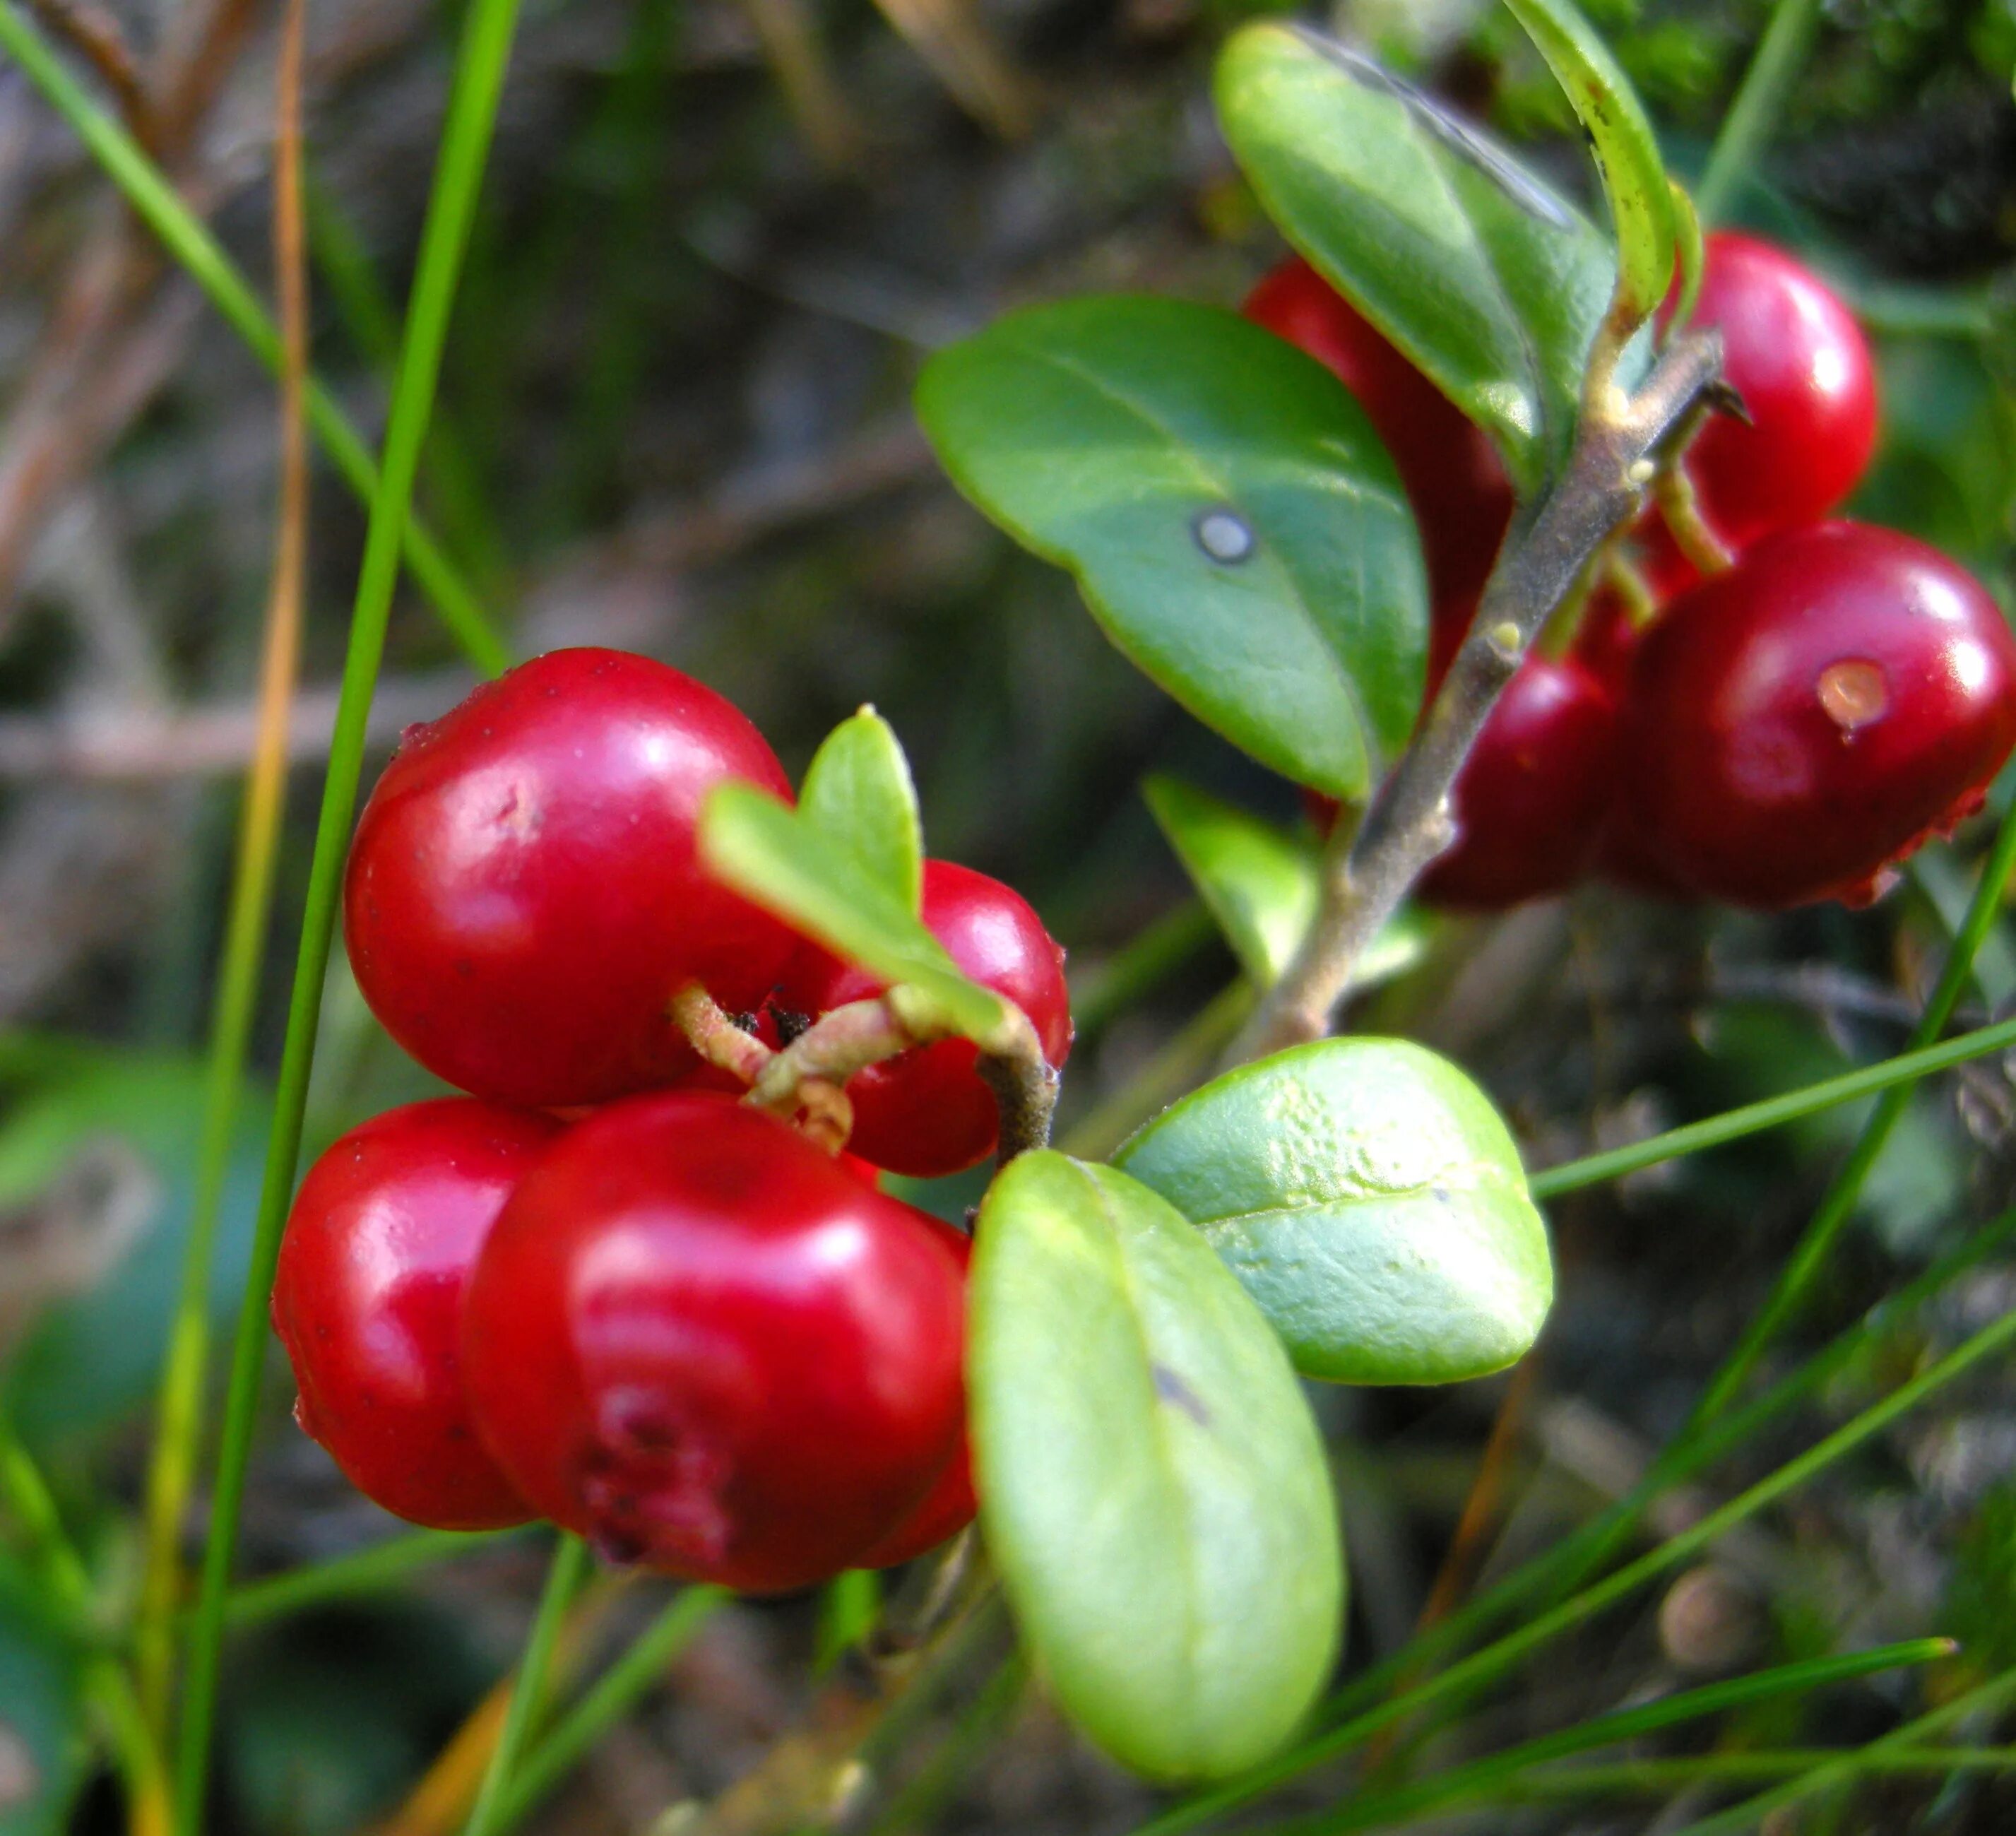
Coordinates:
<point>1143,962</point>
<point>563,1577</point>
<point>1495,1660</point>
<point>1659,1778</point>
<point>1906,1069</point>
<point>614,1693</point>
<point>188,240</point>
<point>480,64</point>
<point>1480,1781</point>
<point>172,1470</point>
<point>1759,104</point>
<point>365,1572</point>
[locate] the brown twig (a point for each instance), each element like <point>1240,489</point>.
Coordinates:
<point>1408,823</point>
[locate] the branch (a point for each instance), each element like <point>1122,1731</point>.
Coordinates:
<point>1409,823</point>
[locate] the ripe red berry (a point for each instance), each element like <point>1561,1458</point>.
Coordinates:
<point>1530,800</point>
<point>694,1338</point>
<point>368,1295</point>
<point>524,897</point>
<point>926,1112</point>
<point>1797,723</point>
<point>1794,352</point>
<point>1461,498</point>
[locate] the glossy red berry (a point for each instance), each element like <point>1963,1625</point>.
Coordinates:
<point>1461,498</point>
<point>1792,350</point>
<point>523,895</point>
<point>1795,725</point>
<point>1530,801</point>
<point>926,1113</point>
<point>695,1339</point>
<point>368,1296</point>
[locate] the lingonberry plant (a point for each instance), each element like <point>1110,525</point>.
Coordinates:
<point>1498,531</point>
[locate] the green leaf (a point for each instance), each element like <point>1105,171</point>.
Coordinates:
<point>771,856</point>
<point>1634,177</point>
<point>1487,279</point>
<point>1153,1488</point>
<point>1261,883</point>
<point>41,1714</point>
<point>1236,526</point>
<point>858,793</point>
<point>1370,1199</point>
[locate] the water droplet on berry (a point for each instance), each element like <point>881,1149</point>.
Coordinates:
<point>1224,534</point>
<point>1853,693</point>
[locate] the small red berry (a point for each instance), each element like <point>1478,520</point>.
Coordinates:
<point>1461,498</point>
<point>1530,800</point>
<point>1796,725</point>
<point>694,1338</point>
<point>926,1112</point>
<point>523,896</point>
<point>368,1295</point>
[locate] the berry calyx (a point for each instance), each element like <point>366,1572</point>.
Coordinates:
<point>696,1340</point>
<point>1462,499</point>
<point>1797,725</point>
<point>367,1300</point>
<point>1530,800</point>
<point>927,1112</point>
<point>525,896</point>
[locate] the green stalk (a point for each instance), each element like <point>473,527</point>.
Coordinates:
<point>188,240</point>
<point>563,1577</point>
<point>614,1694</point>
<point>1844,1768</point>
<point>1144,962</point>
<point>1759,102</point>
<point>1492,1662</point>
<point>479,79</point>
<point>1482,1780</point>
<point>1906,1068</point>
<point>365,1572</point>
<point>27,1495</point>
<point>1659,1778</point>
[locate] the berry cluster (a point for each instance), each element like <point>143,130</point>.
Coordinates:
<point>598,1288</point>
<point>1792,716</point>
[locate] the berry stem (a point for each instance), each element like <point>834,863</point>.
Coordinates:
<point>716,1037</point>
<point>1365,877</point>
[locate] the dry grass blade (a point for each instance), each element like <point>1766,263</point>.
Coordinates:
<point>97,36</point>
<point>790,41</point>
<point>950,36</point>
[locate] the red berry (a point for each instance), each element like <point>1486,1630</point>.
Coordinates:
<point>696,1339</point>
<point>368,1296</point>
<point>1530,800</point>
<point>1794,352</point>
<point>1606,639</point>
<point>1461,498</point>
<point>523,896</point>
<point>926,1112</point>
<point>1795,726</point>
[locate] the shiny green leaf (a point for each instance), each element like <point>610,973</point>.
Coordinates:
<point>1233,521</point>
<point>1486,278</point>
<point>858,793</point>
<point>1369,1198</point>
<point>1153,1488</point>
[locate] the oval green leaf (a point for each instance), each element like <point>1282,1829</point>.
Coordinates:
<point>859,794</point>
<point>1490,281</point>
<point>1233,521</point>
<point>1634,177</point>
<point>1372,1203</point>
<point>1153,1488</point>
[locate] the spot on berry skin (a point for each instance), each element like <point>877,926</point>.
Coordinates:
<point>1224,534</point>
<point>1853,693</point>
<point>655,1485</point>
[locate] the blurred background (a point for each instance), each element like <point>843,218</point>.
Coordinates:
<point>716,239</point>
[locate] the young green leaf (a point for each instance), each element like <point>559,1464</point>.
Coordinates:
<point>858,793</point>
<point>1634,178</point>
<point>1485,277</point>
<point>773,857</point>
<point>1368,1196</point>
<point>1152,1486</point>
<point>1233,521</point>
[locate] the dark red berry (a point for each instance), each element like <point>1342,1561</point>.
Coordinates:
<point>1461,498</point>
<point>1530,800</point>
<point>926,1113</point>
<point>368,1295</point>
<point>523,896</point>
<point>694,1338</point>
<point>1798,724</point>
